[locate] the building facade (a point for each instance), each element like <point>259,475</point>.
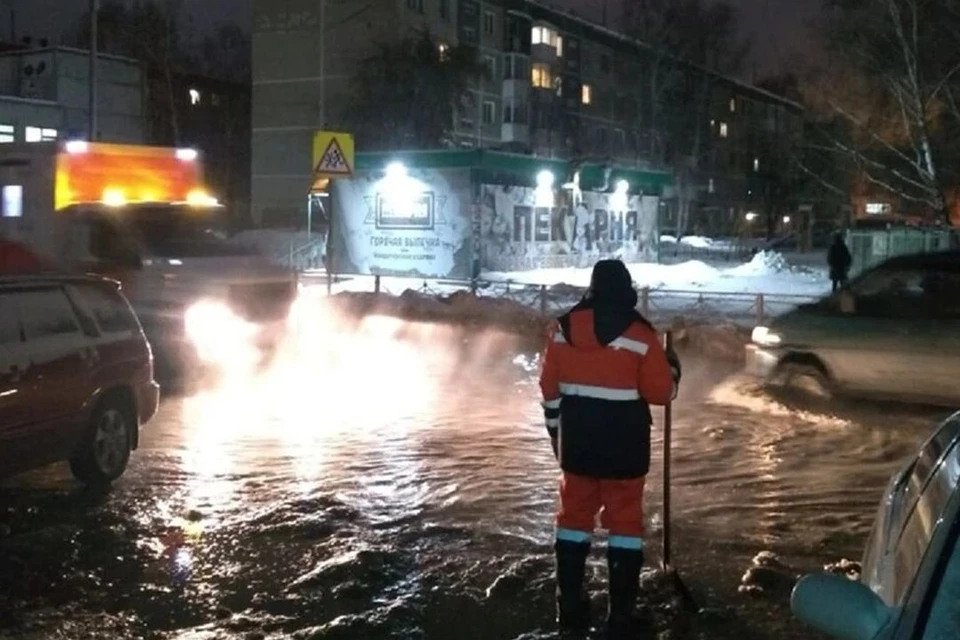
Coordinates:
<point>559,87</point>
<point>213,116</point>
<point>44,95</point>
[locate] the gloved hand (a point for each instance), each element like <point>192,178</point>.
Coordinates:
<point>675,370</point>
<point>551,418</point>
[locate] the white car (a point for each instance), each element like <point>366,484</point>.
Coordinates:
<point>910,584</point>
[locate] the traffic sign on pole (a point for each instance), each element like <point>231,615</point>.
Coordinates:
<point>333,155</point>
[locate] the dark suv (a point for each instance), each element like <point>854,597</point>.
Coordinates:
<point>76,376</point>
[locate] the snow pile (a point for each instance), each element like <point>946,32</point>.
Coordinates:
<point>665,239</point>
<point>697,242</point>
<point>685,275</point>
<point>293,249</point>
<point>767,273</point>
<point>764,263</point>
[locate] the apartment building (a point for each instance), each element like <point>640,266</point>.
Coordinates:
<point>44,95</point>
<point>559,87</point>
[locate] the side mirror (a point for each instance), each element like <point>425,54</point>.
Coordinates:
<point>847,302</point>
<point>840,607</point>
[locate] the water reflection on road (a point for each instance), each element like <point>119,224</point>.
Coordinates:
<point>394,480</point>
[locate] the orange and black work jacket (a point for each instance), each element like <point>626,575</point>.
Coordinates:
<point>602,370</point>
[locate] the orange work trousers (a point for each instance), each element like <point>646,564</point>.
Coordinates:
<point>581,498</point>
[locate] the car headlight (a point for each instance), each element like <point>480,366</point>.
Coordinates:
<point>765,337</point>
<point>217,333</point>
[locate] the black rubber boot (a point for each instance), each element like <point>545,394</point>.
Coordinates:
<point>624,566</point>
<point>573,603</point>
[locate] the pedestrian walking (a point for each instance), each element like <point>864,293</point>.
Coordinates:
<point>839,260</point>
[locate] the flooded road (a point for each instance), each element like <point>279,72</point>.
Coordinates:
<point>397,482</point>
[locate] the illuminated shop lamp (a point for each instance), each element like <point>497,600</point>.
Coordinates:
<point>544,196</point>
<point>187,155</point>
<point>396,171</point>
<point>618,201</point>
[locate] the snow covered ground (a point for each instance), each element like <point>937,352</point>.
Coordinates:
<point>746,294</point>
<point>767,273</point>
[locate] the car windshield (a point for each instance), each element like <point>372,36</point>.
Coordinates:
<point>180,232</point>
<point>921,290</point>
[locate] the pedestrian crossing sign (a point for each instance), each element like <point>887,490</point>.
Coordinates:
<point>332,154</point>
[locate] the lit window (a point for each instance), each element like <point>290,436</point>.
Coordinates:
<point>560,46</point>
<point>724,131</point>
<point>48,135</point>
<point>756,164</point>
<point>489,20</point>
<point>13,201</point>
<point>541,76</point>
<point>194,96</point>
<point>8,133</point>
<point>711,188</point>
<point>733,105</point>
<point>547,36</point>
<point>443,48</point>
<point>586,94</point>
<point>488,111</point>
<point>33,134</point>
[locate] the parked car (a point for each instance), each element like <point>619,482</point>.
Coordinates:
<point>76,376</point>
<point>910,581</point>
<point>893,332</point>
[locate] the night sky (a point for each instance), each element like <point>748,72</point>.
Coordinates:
<point>778,28</point>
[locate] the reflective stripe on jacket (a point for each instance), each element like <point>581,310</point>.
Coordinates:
<point>601,372</point>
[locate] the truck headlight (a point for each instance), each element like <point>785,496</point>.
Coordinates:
<point>219,335</point>
<point>765,337</point>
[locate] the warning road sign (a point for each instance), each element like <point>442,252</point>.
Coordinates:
<point>332,154</point>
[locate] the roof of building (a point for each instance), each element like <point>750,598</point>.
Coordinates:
<point>84,52</point>
<point>497,167</point>
<point>572,21</point>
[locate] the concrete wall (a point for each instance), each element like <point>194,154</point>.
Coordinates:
<point>119,97</point>
<point>287,90</point>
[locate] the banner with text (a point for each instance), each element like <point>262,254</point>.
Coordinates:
<point>518,235</point>
<point>417,224</point>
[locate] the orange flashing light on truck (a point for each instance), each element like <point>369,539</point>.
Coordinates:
<point>142,215</point>
<point>117,175</point>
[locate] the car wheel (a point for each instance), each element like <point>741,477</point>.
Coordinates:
<point>806,378</point>
<point>105,449</point>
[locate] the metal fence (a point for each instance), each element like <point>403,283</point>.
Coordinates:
<point>662,306</point>
<point>871,247</point>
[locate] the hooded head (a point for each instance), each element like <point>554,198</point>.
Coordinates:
<point>612,300</point>
<point>611,285</point>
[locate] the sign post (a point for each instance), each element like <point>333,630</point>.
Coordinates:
<point>333,157</point>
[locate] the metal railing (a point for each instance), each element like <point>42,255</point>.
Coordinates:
<point>659,305</point>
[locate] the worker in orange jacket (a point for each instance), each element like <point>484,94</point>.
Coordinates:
<point>604,366</point>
